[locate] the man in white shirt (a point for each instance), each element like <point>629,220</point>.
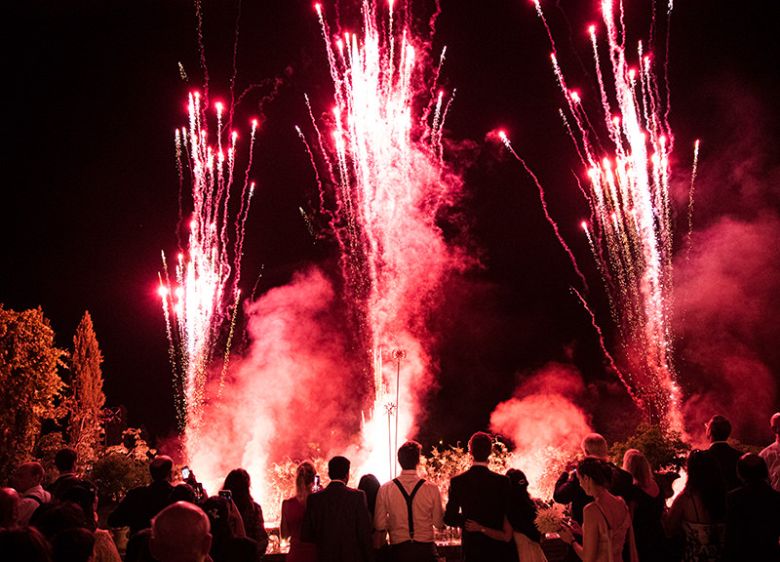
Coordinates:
<point>408,508</point>
<point>771,454</point>
<point>27,480</point>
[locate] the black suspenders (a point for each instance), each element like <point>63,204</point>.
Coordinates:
<point>409,498</point>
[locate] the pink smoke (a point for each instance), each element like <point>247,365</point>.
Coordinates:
<point>727,310</point>
<point>545,424</point>
<point>292,395</point>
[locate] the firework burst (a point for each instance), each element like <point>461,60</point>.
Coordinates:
<point>382,182</point>
<point>200,293</point>
<point>630,228</point>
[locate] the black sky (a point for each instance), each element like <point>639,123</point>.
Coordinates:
<point>90,185</point>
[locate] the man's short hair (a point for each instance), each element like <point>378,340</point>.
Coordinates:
<point>594,445</point>
<point>480,446</point>
<point>338,468</point>
<point>65,460</point>
<point>409,455</point>
<point>719,428</point>
<point>751,468</point>
<point>34,469</point>
<point>161,468</point>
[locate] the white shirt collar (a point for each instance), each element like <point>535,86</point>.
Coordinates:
<point>475,463</point>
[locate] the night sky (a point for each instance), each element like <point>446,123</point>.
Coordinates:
<point>90,183</point>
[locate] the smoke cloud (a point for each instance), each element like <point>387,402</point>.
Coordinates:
<point>545,423</point>
<point>727,307</point>
<point>290,396</point>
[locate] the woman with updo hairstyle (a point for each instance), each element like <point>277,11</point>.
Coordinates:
<point>606,521</point>
<point>292,515</point>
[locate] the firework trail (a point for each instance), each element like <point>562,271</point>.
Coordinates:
<point>630,229</point>
<point>382,183</point>
<point>200,296</point>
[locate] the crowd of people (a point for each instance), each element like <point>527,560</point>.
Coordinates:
<point>728,510</point>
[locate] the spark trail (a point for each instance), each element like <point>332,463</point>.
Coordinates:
<point>630,228</point>
<point>200,295</point>
<point>382,183</point>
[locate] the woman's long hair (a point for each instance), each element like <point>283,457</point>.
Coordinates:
<point>705,481</point>
<point>304,480</point>
<point>239,483</point>
<point>637,465</point>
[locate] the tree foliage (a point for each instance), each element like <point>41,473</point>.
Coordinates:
<point>86,399</point>
<point>29,382</point>
<point>664,450</point>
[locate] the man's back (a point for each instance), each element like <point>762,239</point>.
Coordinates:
<point>140,505</point>
<point>726,457</point>
<point>753,523</point>
<point>479,495</point>
<point>337,521</point>
<point>392,513</point>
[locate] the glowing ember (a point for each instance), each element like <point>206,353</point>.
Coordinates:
<point>197,298</point>
<point>629,231</point>
<point>383,157</point>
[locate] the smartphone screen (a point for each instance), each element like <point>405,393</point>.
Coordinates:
<point>227,494</point>
<point>185,472</point>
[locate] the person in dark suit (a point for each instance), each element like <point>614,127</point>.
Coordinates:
<point>752,514</point>
<point>336,519</point>
<point>65,461</point>
<point>478,503</point>
<point>718,431</point>
<point>141,504</point>
<point>568,489</point>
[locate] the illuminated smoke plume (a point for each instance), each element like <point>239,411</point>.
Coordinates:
<point>383,182</point>
<point>626,184</point>
<point>200,296</point>
<point>288,397</point>
<point>545,425</point>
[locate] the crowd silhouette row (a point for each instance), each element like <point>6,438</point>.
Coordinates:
<point>728,510</point>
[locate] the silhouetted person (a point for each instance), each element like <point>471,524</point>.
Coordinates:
<point>226,544</point>
<point>370,485</point>
<point>752,514</point>
<point>521,513</point>
<point>293,510</point>
<point>409,508</point>
<point>336,519</point>
<point>771,454</point>
<point>477,503</point>
<point>180,533</point>
<point>27,480</point>
<point>239,484</point>
<point>183,492</point>
<point>73,545</point>
<point>718,431</point>
<point>568,488</point>
<point>24,544</point>
<point>141,504</point>
<point>9,508</point>
<point>646,502</point>
<point>84,494</point>
<point>65,461</point>
<point>697,514</point>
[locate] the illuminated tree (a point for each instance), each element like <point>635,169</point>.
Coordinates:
<point>87,399</point>
<point>29,382</point>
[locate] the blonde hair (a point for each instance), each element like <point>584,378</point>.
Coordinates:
<point>635,463</point>
<point>304,480</point>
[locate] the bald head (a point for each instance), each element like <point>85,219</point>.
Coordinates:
<point>27,475</point>
<point>9,507</point>
<point>180,533</point>
<point>594,445</point>
<point>774,423</point>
